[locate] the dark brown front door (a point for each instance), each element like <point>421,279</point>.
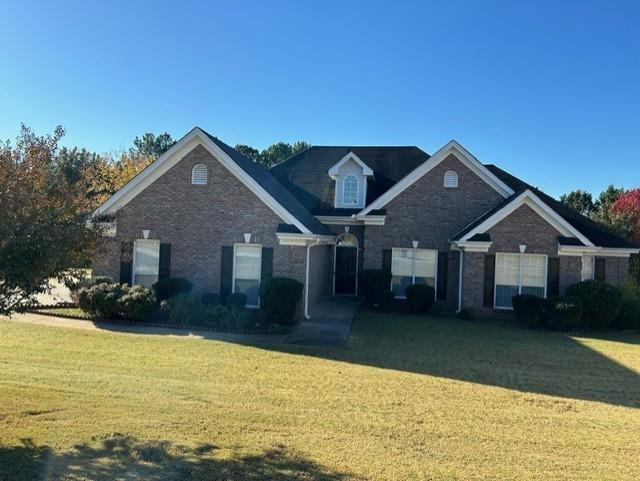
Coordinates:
<point>346,269</point>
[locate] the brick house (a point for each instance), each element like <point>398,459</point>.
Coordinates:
<point>475,233</point>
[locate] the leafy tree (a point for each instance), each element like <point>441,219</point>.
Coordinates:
<point>579,200</point>
<point>274,154</point>
<point>44,228</point>
<point>250,152</point>
<point>627,206</point>
<point>150,145</point>
<point>604,213</point>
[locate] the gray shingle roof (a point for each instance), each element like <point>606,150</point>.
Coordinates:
<point>305,174</point>
<point>273,187</point>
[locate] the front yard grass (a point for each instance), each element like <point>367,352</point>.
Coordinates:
<point>410,399</point>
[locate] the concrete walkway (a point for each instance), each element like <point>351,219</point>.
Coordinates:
<point>257,339</point>
<point>330,323</point>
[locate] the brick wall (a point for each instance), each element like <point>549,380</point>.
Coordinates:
<point>429,213</point>
<point>197,220</point>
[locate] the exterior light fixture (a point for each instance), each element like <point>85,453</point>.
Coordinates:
<point>145,233</point>
<point>523,247</point>
<point>247,238</point>
<point>415,244</point>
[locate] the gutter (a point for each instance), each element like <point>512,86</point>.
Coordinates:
<point>306,279</point>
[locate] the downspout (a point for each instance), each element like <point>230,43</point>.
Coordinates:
<point>460,270</point>
<point>306,280</point>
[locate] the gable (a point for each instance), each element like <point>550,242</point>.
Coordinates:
<point>352,169</point>
<point>255,178</point>
<point>462,155</point>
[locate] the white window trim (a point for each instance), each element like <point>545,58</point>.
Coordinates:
<point>495,277</point>
<point>454,175</point>
<point>233,279</point>
<point>133,257</point>
<point>206,174</point>
<point>344,183</point>
<point>593,267</point>
<point>413,269</point>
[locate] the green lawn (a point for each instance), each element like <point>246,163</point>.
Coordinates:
<point>420,399</point>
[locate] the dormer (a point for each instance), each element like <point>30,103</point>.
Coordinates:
<point>350,175</point>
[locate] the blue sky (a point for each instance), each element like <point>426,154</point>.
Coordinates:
<point>547,90</point>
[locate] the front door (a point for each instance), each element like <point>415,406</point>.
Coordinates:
<point>346,269</point>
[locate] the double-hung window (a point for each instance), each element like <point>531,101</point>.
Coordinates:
<point>519,274</point>
<point>146,262</point>
<point>247,269</point>
<point>412,266</point>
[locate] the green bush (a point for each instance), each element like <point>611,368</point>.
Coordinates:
<point>375,285</point>
<point>101,300</point>
<point>171,287</point>
<point>529,309</point>
<point>236,303</point>
<point>629,317</point>
<point>137,303</point>
<point>564,313</point>
<point>211,299</point>
<point>183,309</point>
<point>601,303</point>
<point>420,298</point>
<point>216,316</point>
<point>279,298</point>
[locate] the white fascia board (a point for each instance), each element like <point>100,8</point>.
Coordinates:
<point>471,246</point>
<point>338,220</point>
<point>539,207</point>
<point>580,251</point>
<point>372,219</point>
<point>290,239</point>
<point>366,170</point>
<point>452,147</point>
<point>170,158</point>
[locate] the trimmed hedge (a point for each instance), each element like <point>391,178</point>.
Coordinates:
<point>468,314</point>
<point>171,287</point>
<point>101,300</point>
<point>601,303</point>
<point>183,309</point>
<point>137,303</point>
<point>211,299</point>
<point>420,298</point>
<point>237,302</point>
<point>564,313</point>
<point>375,285</point>
<point>529,309</point>
<point>279,298</point>
<point>629,317</point>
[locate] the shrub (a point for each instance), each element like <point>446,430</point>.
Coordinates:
<point>171,287</point>
<point>75,284</point>
<point>237,302</point>
<point>563,313</point>
<point>101,300</point>
<point>629,317</point>
<point>279,298</point>
<point>601,302</point>
<point>183,309</point>
<point>467,314</point>
<point>216,316</point>
<point>211,299</point>
<point>529,309</point>
<point>137,303</point>
<point>375,286</point>
<point>420,298</point>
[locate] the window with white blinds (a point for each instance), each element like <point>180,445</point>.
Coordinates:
<point>412,266</point>
<point>146,262</point>
<point>519,274</point>
<point>199,175</point>
<point>247,270</point>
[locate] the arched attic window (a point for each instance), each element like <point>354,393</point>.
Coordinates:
<point>350,190</point>
<point>199,175</point>
<point>450,179</point>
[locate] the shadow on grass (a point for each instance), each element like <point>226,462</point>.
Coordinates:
<point>125,457</point>
<point>494,353</point>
